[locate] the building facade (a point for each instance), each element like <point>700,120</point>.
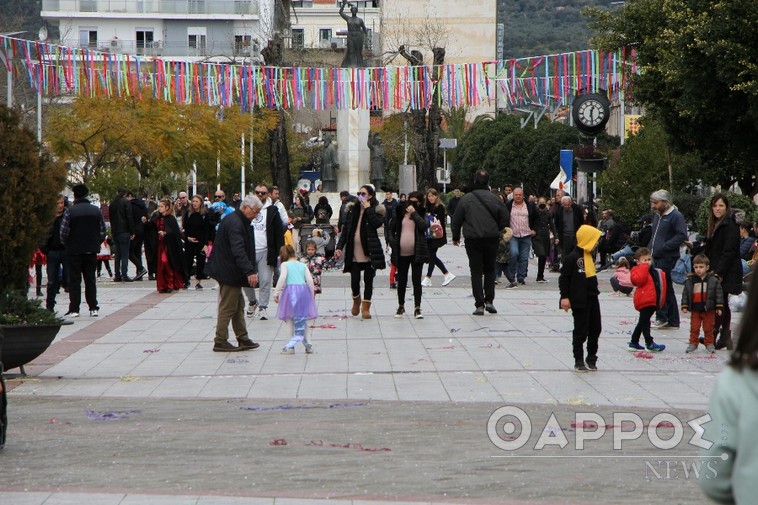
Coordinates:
<point>186,29</point>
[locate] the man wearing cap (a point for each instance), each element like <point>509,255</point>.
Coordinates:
<point>669,233</point>
<point>82,232</point>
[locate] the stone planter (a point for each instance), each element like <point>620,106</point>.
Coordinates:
<point>21,344</point>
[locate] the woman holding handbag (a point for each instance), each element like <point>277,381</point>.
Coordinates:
<point>436,237</point>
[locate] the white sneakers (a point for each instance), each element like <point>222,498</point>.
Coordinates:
<point>427,281</point>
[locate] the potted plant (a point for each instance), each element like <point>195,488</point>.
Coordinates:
<point>28,195</point>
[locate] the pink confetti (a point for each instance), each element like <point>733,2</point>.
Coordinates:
<point>151,351</point>
<point>643,355</point>
<point>326,326</point>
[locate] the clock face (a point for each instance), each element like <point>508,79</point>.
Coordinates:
<point>591,113</point>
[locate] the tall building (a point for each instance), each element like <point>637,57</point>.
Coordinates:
<point>189,29</point>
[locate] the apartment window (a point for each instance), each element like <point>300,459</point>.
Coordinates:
<point>196,39</point>
<point>325,35</point>
<point>368,39</point>
<point>243,45</point>
<point>302,3</point>
<point>298,39</point>
<point>88,38</point>
<point>144,39</point>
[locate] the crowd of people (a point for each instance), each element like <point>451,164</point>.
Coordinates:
<point>246,243</point>
<point>502,229</point>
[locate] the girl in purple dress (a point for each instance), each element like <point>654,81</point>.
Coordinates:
<point>298,304</point>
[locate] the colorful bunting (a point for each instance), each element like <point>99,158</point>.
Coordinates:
<point>540,80</point>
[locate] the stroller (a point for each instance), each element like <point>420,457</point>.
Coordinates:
<point>328,232</point>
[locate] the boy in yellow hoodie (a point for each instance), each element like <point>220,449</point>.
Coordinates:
<point>579,293</point>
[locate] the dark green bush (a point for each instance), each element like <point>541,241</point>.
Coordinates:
<point>16,308</point>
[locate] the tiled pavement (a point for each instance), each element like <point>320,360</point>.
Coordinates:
<point>150,345</point>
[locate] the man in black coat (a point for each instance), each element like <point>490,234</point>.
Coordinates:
<point>82,232</point>
<point>139,211</point>
<point>122,231</point>
<point>483,217</point>
<point>568,218</point>
<point>232,263</point>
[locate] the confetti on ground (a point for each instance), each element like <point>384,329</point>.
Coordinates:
<point>325,326</point>
<point>643,355</point>
<point>289,406</point>
<point>151,351</point>
<point>237,360</point>
<point>94,415</point>
<point>624,322</point>
<point>54,420</point>
<point>129,378</point>
<point>321,443</point>
<point>491,346</point>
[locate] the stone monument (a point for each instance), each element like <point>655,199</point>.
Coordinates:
<point>353,125</point>
<point>329,165</point>
<point>378,161</point>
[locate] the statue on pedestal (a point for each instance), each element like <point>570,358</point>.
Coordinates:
<point>329,166</point>
<point>378,160</point>
<point>356,33</point>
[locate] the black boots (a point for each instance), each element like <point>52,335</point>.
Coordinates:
<point>725,340</point>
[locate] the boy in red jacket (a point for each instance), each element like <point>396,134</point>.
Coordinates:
<point>644,301</point>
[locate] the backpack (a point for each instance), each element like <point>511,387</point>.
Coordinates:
<point>661,287</point>
<point>435,227</point>
<point>682,268</point>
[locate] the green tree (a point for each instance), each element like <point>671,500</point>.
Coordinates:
<point>514,155</point>
<point>28,195</point>
<point>698,76</point>
<point>642,168</point>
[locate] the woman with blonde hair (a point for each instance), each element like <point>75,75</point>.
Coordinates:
<point>169,251</point>
<point>435,210</point>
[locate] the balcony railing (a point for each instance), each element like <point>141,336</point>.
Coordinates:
<point>201,7</point>
<point>174,49</point>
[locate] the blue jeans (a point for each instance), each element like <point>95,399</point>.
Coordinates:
<point>519,262</point>
<point>670,313</point>
<point>56,269</point>
<point>622,253</point>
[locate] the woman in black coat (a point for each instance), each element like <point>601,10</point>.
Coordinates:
<point>362,247</point>
<point>722,247</point>
<point>435,209</point>
<point>198,235</point>
<point>322,211</point>
<point>407,237</point>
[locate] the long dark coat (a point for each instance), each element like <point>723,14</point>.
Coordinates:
<point>373,219</point>
<point>420,250</point>
<point>723,251</point>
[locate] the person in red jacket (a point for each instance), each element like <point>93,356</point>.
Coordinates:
<point>644,301</point>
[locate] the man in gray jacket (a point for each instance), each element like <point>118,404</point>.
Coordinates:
<point>483,216</point>
<point>669,233</point>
